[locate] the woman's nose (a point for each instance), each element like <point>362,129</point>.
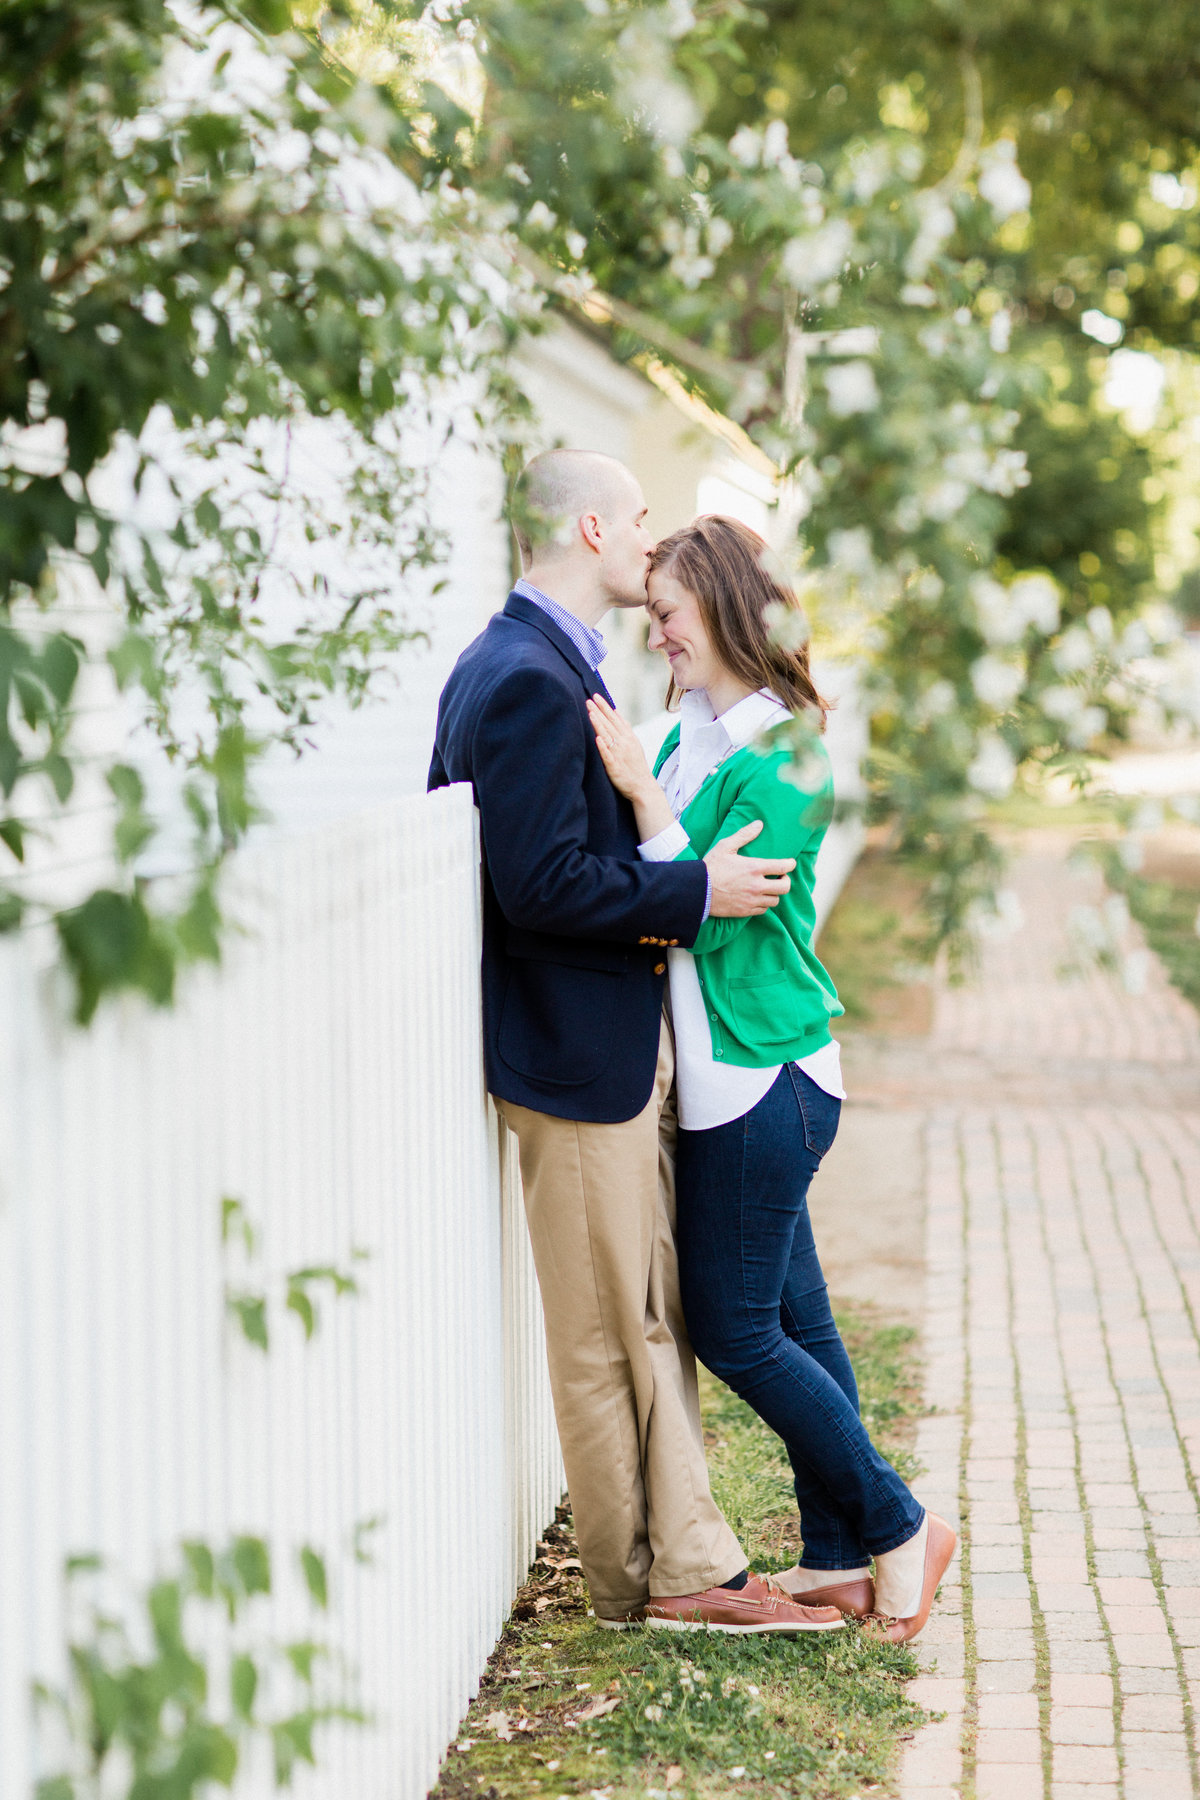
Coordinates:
<point>655,639</point>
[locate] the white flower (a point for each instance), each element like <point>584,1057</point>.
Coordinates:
<point>540,218</point>
<point>1035,598</point>
<point>654,1714</point>
<point>775,144</point>
<point>1000,331</point>
<point>918,293</point>
<point>745,147</point>
<point>947,498</point>
<point>996,683</point>
<point>1074,651</point>
<point>1100,624</point>
<point>936,224</point>
<point>993,768</point>
<point>1101,326</point>
<point>39,449</point>
<point>719,236</point>
<point>937,700</point>
<point>851,550</point>
<point>1135,641</point>
<point>851,388</point>
<point>1089,724</point>
<point>1060,702</point>
<point>809,262</point>
<point>1001,182</point>
<point>870,168</point>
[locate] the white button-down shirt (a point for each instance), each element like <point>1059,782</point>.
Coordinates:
<point>711,1092</point>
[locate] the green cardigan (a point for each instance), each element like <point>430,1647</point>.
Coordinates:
<point>769,1000</point>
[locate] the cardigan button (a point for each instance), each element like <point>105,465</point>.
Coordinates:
<point>660,968</point>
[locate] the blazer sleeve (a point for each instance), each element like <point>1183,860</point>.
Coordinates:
<point>527,762</point>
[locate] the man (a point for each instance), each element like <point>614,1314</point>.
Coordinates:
<point>578,1057</point>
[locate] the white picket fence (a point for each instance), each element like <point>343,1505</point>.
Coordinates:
<point>329,1077</point>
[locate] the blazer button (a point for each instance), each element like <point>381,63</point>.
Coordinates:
<point>660,968</point>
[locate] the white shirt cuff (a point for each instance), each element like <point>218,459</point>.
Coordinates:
<point>665,845</point>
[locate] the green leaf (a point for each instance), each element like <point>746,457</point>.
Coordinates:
<point>303,1657</point>
<point>55,1787</point>
<point>299,1303</point>
<point>314,1575</point>
<point>199,924</point>
<point>134,659</point>
<point>87,1563</point>
<point>243,1685</point>
<point>12,833</point>
<point>360,1545</point>
<point>252,1560</point>
<point>272,16</point>
<point>12,910</point>
<point>110,942</point>
<point>59,665</point>
<point>235,1219</point>
<point>250,1311</point>
<point>201,1566</point>
<point>61,773</point>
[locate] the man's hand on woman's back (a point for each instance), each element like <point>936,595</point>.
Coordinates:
<point>743,886</point>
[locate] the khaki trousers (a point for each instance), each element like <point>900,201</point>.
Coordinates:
<point>600,1200</point>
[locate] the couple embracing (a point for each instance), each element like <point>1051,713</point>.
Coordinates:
<point>657,1037</point>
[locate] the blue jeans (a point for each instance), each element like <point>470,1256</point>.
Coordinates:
<point>758,1313</point>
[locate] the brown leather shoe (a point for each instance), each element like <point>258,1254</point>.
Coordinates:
<point>939,1548</point>
<point>761,1606</point>
<point>855,1597</point>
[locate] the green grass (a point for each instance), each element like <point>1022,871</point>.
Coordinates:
<point>699,1716</point>
<point>1167,914</point>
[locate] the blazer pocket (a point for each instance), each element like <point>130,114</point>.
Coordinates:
<point>567,953</point>
<point>759,1008</point>
<point>558,1020</point>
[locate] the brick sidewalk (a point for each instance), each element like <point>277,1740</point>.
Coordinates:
<point>1063,1183</point>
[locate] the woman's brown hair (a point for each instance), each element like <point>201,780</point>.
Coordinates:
<point>721,561</point>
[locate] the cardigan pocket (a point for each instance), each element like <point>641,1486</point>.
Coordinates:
<point>758,1007</point>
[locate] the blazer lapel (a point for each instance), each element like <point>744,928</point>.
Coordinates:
<point>517,607</point>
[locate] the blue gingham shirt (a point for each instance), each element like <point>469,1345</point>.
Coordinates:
<point>591,647</point>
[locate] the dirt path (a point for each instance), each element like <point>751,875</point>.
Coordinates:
<point>1024,1181</point>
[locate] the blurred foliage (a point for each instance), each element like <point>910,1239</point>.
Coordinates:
<point>174,1704</point>
<point>846,228</point>
<point>225,321</point>
<point>252,260</point>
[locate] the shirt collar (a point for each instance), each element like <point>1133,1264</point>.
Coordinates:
<point>740,723</point>
<point>586,640</point>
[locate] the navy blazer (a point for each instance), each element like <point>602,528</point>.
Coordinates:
<point>574,924</point>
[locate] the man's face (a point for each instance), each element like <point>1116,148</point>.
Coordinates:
<point>626,547</point>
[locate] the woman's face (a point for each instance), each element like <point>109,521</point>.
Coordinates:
<point>677,629</point>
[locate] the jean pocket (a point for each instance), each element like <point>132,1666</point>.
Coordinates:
<point>820,1111</point>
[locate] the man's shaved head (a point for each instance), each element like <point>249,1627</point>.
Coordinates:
<point>556,488</point>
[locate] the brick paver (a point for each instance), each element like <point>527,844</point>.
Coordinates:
<point>1063,1368</point>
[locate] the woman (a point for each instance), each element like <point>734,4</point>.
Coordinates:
<point>758,1075</point>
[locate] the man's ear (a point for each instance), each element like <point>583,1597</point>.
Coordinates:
<point>591,529</point>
